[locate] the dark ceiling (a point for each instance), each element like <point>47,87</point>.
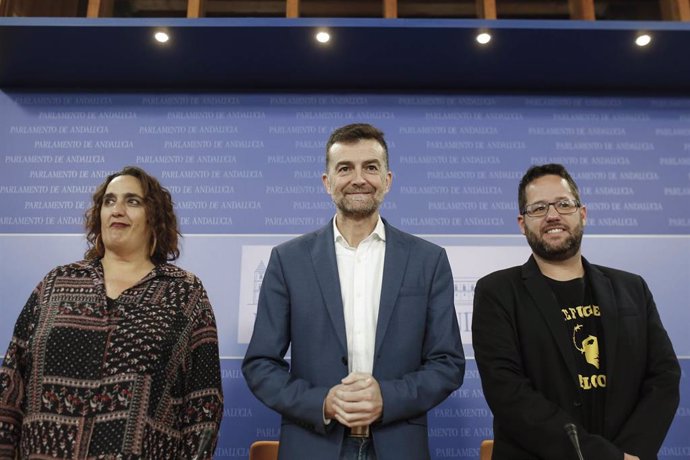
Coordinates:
<point>254,54</point>
<point>436,9</point>
<point>645,10</point>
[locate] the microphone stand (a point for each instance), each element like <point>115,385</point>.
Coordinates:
<point>204,442</point>
<point>571,431</point>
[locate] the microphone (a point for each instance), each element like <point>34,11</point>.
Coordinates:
<point>571,431</point>
<point>204,442</point>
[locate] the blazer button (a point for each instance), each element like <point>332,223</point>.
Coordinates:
<point>344,360</point>
<point>577,403</point>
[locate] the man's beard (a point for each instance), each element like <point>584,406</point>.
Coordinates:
<point>358,211</point>
<point>564,251</point>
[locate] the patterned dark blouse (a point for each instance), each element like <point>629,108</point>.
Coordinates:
<point>133,378</point>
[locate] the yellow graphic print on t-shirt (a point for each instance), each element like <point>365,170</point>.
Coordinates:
<point>588,346</point>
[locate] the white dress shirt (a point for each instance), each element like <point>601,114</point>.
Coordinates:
<point>361,274</point>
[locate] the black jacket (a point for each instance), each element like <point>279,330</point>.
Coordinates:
<point>529,374</point>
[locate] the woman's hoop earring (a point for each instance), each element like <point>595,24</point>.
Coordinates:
<point>99,246</point>
<point>153,247</point>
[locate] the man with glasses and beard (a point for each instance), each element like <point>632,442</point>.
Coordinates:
<point>566,346</point>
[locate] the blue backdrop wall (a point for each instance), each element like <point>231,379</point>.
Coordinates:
<point>244,170</point>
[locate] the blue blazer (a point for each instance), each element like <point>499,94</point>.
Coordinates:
<point>418,359</point>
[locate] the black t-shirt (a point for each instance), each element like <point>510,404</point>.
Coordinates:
<point>585,333</point>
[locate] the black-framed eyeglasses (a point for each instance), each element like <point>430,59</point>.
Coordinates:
<point>541,208</point>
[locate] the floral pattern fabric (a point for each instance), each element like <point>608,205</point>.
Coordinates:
<point>87,377</point>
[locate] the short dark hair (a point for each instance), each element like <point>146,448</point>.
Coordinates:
<point>160,217</point>
<point>537,171</point>
<point>352,133</point>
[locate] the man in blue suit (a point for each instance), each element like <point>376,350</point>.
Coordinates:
<point>368,313</point>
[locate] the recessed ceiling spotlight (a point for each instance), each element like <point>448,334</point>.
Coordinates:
<point>323,37</point>
<point>643,40</point>
<point>483,38</point>
<point>161,37</point>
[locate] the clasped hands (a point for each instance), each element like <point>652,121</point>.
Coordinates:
<point>356,401</point>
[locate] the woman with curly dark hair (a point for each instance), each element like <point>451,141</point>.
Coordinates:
<point>160,218</point>
<point>116,356</point>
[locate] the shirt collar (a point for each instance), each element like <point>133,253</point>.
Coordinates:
<point>379,232</point>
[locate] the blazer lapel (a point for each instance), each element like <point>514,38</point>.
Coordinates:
<point>546,303</point>
<point>394,266</point>
<point>603,297</point>
<point>326,268</point>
